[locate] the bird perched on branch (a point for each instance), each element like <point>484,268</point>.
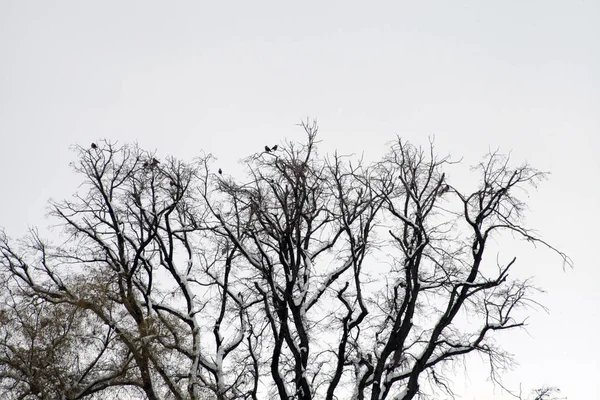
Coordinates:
<point>94,146</point>
<point>274,148</point>
<point>220,171</point>
<point>267,149</point>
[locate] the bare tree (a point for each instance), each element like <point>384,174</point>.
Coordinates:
<point>547,393</point>
<point>438,274</point>
<point>315,277</point>
<point>301,228</point>
<point>543,393</point>
<point>134,262</point>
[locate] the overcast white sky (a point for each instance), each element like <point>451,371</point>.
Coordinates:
<point>229,77</point>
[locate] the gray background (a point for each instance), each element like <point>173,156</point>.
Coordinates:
<point>229,77</point>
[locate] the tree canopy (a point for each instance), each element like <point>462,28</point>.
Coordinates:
<point>312,277</point>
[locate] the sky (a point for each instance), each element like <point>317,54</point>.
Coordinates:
<point>229,77</point>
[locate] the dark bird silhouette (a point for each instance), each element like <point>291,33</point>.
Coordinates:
<point>154,162</point>
<point>94,146</point>
<point>171,183</point>
<point>274,148</point>
<point>145,165</point>
<point>267,149</point>
<point>220,171</point>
